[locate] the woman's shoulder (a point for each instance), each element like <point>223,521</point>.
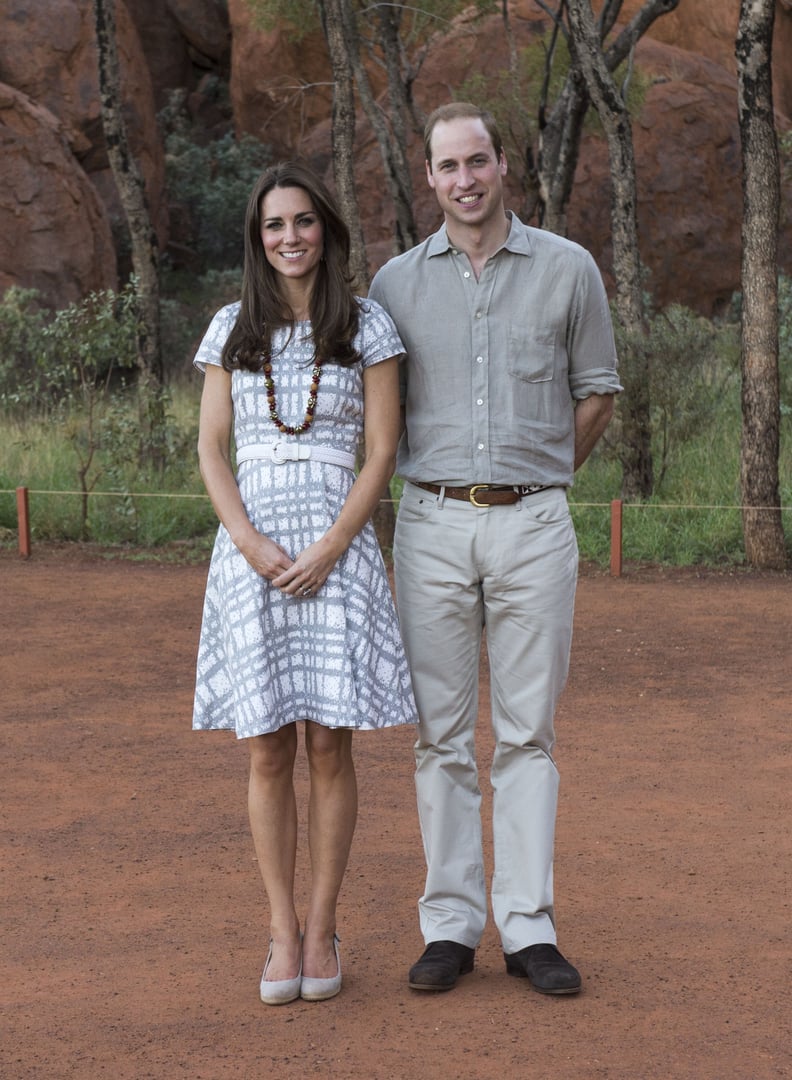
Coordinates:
<point>211,347</point>
<point>378,338</point>
<point>228,313</point>
<point>371,311</point>
<point>223,320</point>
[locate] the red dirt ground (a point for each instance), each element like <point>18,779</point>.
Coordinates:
<point>133,924</point>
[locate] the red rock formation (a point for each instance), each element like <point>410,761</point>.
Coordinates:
<point>51,57</point>
<point>686,145</point>
<point>686,138</point>
<point>709,27</point>
<point>54,230</point>
<point>687,153</point>
<point>182,40</point>
<point>280,89</point>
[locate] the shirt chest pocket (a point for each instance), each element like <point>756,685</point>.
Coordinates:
<point>532,352</point>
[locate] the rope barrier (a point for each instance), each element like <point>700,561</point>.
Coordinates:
<point>116,494</point>
<point>617,508</point>
<point>573,504</point>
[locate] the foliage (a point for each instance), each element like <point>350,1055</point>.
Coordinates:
<point>514,98</point>
<point>298,18</point>
<point>692,365</point>
<point>187,304</point>
<point>211,183</point>
<point>696,520</point>
<point>23,346</point>
<point>82,382</point>
<point>119,501</point>
<point>47,358</point>
<point>90,339</point>
<point>122,502</point>
<point>89,342</point>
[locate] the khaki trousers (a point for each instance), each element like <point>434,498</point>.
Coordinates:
<point>511,570</point>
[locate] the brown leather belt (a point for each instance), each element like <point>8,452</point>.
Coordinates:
<point>486,494</point>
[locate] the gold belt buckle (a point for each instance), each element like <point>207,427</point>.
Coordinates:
<point>472,495</point>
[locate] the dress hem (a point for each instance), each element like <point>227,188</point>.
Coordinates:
<point>333,727</point>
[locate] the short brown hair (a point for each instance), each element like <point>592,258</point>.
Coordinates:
<point>461,110</point>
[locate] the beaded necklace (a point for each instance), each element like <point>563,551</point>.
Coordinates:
<point>288,429</point>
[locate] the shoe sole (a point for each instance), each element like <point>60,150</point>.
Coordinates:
<point>321,995</point>
<point>279,1000</point>
<point>542,990</point>
<point>437,987</point>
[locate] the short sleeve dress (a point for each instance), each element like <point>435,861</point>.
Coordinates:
<point>266,659</point>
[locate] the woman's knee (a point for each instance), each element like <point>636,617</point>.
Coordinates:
<point>329,749</point>
<point>272,755</point>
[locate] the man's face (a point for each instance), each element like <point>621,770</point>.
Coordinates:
<point>465,173</point>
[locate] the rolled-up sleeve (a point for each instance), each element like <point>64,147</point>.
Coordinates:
<point>591,347</point>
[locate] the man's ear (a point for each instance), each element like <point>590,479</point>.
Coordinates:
<point>503,166</point>
<point>429,177</point>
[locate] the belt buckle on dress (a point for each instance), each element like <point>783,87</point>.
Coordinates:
<point>472,494</point>
<point>282,452</point>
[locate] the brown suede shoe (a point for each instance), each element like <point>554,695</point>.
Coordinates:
<point>441,965</point>
<point>545,969</point>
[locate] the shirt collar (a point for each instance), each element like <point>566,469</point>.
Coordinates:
<point>518,240</point>
<point>439,243</point>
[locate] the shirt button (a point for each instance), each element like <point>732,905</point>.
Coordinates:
<point>478,314</point>
<point>479,359</point>
<point>480,401</point>
<point>481,446</point>
<point>466,274</point>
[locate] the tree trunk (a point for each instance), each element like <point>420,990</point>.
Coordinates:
<point>762,523</point>
<point>343,135</point>
<point>638,478</point>
<point>560,127</point>
<point>397,162</point>
<point>391,140</point>
<point>145,248</point>
<point>558,150</point>
<point>344,58</point>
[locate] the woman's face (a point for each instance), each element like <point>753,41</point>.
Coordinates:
<point>292,233</point>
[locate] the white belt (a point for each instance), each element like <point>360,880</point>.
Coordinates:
<point>281,452</point>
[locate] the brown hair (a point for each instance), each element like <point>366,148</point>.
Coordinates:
<point>461,110</point>
<point>333,308</point>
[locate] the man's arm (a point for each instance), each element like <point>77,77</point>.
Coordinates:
<point>592,416</point>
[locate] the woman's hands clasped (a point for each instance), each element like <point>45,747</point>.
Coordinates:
<point>309,571</point>
<point>300,577</point>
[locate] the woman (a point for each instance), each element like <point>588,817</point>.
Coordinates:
<point>299,622</point>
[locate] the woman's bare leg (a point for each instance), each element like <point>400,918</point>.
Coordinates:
<point>273,822</point>
<point>332,816</point>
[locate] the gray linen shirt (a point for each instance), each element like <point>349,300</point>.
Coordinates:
<point>494,366</point>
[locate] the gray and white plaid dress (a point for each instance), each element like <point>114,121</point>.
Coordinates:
<point>266,659</point>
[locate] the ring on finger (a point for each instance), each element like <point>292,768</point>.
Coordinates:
<point>305,591</point>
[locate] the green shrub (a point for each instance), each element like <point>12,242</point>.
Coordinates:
<point>186,306</point>
<point>24,347</point>
<point>210,183</point>
<point>693,367</point>
<point>117,500</point>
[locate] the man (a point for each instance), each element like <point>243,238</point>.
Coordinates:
<point>510,378</point>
